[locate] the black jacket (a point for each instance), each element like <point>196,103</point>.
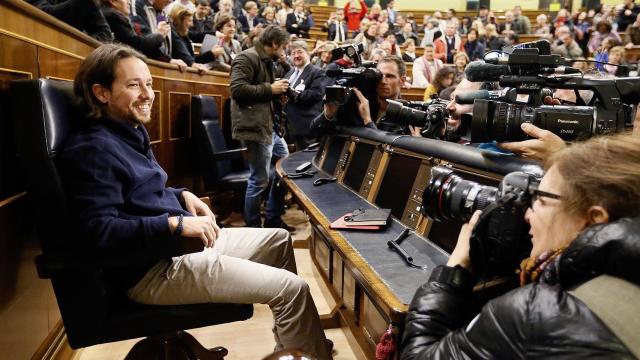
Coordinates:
<point>181,48</point>
<point>302,28</point>
<point>123,32</point>
<point>303,108</point>
<point>539,320</point>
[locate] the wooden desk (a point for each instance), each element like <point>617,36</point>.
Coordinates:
<point>372,285</point>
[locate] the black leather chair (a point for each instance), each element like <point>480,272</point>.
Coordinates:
<point>94,312</point>
<point>222,168</point>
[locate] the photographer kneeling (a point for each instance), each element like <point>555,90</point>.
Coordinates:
<point>586,186</point>
<point>393,71</point>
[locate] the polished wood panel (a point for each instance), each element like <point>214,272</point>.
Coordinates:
<point>154,126</point>
<point>179,115</point>
<point>372,323</point>
<point>57,65</point>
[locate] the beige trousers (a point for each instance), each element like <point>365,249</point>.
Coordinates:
<point>246,265</point>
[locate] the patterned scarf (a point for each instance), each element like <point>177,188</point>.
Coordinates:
<point>533,267</point>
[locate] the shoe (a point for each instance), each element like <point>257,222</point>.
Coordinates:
<point>271,223</point>
<point>329,344</point>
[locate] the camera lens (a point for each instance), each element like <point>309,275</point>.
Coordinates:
<point>448,196</point>
<point>400,114</point>
<point>499,121</point>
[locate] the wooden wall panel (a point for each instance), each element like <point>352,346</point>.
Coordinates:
<point>55,65</point>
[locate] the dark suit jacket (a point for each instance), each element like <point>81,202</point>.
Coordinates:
<point>303,27</point>
<point>302,109</point>
<point>181,48</point>
<point>123,32</point>
<point>244,22</point>
<point>333,28</point>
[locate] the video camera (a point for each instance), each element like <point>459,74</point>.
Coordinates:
<point>430,115</point>
<point>364,77</point>
<point>525,71</point>
<point>500,239</point>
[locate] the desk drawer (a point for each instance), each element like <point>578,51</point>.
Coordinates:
<point>336,277</point>
<point>322,253</point>
<point>372,323</point>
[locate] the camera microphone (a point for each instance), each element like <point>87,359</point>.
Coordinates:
<point>478,71</point>
<point>468,97</point>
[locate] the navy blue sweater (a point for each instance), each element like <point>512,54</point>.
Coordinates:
<point>116,190</point>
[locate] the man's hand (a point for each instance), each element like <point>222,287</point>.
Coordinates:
<point>363,107</point>
<point>280,86</point>
<point>540,148</point>
<point>203,227</point>
<point>330,110</point>
<point>460,255</point>
<point>163,28</point>
<point>415,130</point>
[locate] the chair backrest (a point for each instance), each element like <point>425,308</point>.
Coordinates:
<point>44,114</point>
<point>208,139</point>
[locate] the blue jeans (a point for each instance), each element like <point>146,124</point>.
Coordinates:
<point>262,157</point>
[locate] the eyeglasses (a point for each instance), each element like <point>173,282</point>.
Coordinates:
<point>539,193</point>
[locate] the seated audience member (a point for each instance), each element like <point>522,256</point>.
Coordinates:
<point>391,12</point>
<point>616,57</point>
<point>460,61</point>
<point>444,78</point>
<point>247,42</point>
<point>474,47</point>
<point>448,45</point>
<point>378,54</point>
<point>465,26</point>
<point>581,228</point>
<point>520,23</point>
<point>269,16</point>
<point>226,29</point>
<point>626,14</point>
<point>298,22</point>
<point>390,45</point>
<point>383,18</point>
<point>308,83</point>
<point>383,29</point>
<point>274,4</point>
<point>494,41</point>
<point>602,33</point>
<point>202,22</point>
<point>368,37</point>
<point>563,18</point>
<point>224,7</point>
<point>150,17</point>
<point>337,27</point>
<point>81,14</point>
<point>281,15</point>
<point>409,54</point>
<point>602,53</point>
<point>542,27</point>
<point>632,35</point>
<point>431,29</point>
<point>250,20</point>
<point>323,55</point>
<point>354,12</point>
<point>117,14</point>
<point>425,68</point>
<point>119,201</point>
<point>406,34</point>
<point>181,46</point>
<point>569,48</point>
<point>374,12</point>
<point>370,113</point>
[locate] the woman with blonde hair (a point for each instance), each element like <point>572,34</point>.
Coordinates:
<point>181,19</point>
<point>494,41</point>
<point>368,37</point>
<point>444,78</point>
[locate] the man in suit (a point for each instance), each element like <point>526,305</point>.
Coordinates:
<point>299,22</point>
<point>148,19</point>
<point>337,27</point>
<point>307,83</point>
<point>251,20</point>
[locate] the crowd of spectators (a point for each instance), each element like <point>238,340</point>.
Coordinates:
<point>165,30</point>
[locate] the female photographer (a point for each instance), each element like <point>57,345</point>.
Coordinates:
<point>586,186</point>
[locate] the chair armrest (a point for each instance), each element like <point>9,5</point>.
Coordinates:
<point>229,154</point>
<point>49,265</point>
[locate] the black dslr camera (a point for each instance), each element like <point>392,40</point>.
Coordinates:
<point>500,239</point>
<point>364,77</point>
<point>532,72</point>
<point>430,115</point>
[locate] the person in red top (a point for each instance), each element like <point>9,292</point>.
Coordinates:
<point>448,45</point>
<point>353,15</point>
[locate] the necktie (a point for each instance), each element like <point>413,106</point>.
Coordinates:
<point>294,78</point>
<point>339,35</point>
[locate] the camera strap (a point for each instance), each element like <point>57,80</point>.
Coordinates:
<point>615,303</point>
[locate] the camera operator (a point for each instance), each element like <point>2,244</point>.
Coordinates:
<point>393,71</point>
<point>585,222</point>
<point>304,98</point>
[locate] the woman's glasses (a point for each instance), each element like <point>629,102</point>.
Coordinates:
<point>539,193</point>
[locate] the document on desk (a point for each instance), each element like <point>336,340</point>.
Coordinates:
<point>368,217</point>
